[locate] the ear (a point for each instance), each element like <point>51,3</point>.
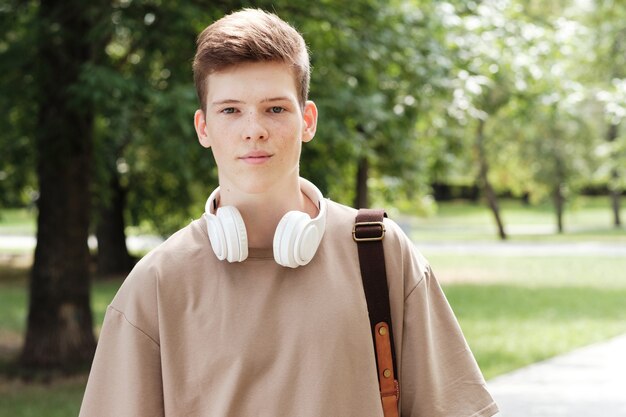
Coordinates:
<point>310,121</point>
<point>199,122</point>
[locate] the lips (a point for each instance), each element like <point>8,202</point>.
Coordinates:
<point>256,157</point>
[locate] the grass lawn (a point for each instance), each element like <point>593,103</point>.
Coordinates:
<point>527,325</point>
<point>60,397</point>
<point>18,221</point>
<point>518,310</point>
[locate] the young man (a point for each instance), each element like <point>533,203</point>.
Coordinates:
<point>258,309</point>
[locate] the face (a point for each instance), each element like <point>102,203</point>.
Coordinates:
<point>255,126</point>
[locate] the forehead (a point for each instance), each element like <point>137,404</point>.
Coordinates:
<point>251,81</point>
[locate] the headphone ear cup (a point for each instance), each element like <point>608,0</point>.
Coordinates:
<point>307,243</point>
<point>235,235</point>
<point>294,229</point>
<point>216,235</point>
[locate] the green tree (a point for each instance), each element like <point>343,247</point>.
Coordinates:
<point>614,106</point>
<point>485,45</point>
<point>515,88</point>
<point>606,57</point>
<point>561,138</point>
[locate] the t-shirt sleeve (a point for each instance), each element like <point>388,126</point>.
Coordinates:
<point>125,378</point>
<point>439,375</point>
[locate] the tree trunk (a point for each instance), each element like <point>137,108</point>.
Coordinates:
<point>361,200</point>
<point>560,178</point>
<point>59,333</point>
<point>614,187</point>
<point>113,256</point>
<point>559,203</point>
<point>615,201</point>
<point>483,179</point>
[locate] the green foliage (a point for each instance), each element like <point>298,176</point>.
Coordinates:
<point>518,68</point>
<point>17,103</point>
<point>605,59</point>
<point>144,94</point>
<point>401,84</point>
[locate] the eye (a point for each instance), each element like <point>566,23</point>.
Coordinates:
<point>228,110</point>
<point>277,109</point>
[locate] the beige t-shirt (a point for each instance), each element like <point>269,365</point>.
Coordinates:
<point>189,335</point>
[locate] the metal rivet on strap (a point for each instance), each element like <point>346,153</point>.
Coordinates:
<point>382,330</point>
<point>386,373</point>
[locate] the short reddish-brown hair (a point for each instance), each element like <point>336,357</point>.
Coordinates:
<point>250,35</point>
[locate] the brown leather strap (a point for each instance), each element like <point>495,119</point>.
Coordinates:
<point>389,388</point>
<point>368,232</point>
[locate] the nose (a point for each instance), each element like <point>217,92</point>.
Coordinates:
<point>254,128</point>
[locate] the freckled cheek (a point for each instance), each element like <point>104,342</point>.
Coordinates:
<point>222,154</point>
<point>290,146</point>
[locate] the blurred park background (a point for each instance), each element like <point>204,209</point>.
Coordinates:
<point>492,131</point>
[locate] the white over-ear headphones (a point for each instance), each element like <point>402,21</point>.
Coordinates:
<point>296,239</point>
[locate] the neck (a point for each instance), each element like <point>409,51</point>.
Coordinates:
<point>261,212</point>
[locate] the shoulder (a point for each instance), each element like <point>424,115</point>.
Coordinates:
<point>181,252</point>
<point>339,213</point>
<point>186,246</point>
<point>402,258</point>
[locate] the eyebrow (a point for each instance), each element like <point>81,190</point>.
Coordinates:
<point>227,101</point>
<point>233,101</point>
<point>281,98</point>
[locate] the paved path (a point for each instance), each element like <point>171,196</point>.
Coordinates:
<point>526,248</point>
<point>588,382</point>
<point>134,243</point>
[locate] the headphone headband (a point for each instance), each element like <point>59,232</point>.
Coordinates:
<point>307,187</point>
<point>296,239</point>
<point>315,195</point>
